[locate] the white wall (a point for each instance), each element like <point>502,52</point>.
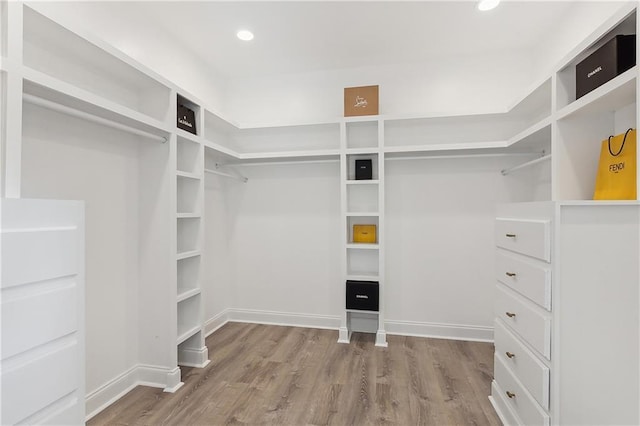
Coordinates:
<point>471,84</point>
<point>66,158</point>
<point>272,245</point>
<point>218,274</point>
<point>440,242</point>
<point>285,240</point>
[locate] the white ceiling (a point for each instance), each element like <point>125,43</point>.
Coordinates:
<point>304,36</point>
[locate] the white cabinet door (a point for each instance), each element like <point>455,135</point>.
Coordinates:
<point>42,309</point>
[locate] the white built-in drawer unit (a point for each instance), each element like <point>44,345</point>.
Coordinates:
<point>529,237</point>
<point>523,364</point>
<point>528,277</point>
<point>517,398</point>
<point>523,311</point>
<point>529,323</point>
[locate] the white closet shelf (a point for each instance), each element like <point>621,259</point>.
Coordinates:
<point>360,118</point>
<point>51,89</point>
<point>188,175</point>
<point>188,215</point>
<point>363,277</point>
<point>362,151</point>
<point>311,155</point>
<point>226,155</point>
<point>444,147</point>
<point>360,311</point>
<point>187,254</point>
<point>362,214</point>
<point>187,333</point>
<point>585,203</point>
<point>186,293</point>
<point>363,246</point>
<point>188,136</point>
<point>608,97</point>
<point>362,182</point>
<point>535,136</point>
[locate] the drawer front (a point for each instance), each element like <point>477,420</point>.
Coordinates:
<point>503,408</point>
<point>517,398</point>
<point>529,237</point>
<point>529,278</point>
<point>530,324</point>
<point>532,372</point>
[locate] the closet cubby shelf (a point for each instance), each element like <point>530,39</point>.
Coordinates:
<point>189,136</point>
<point>187,254</point>
<point>615,93</point>
<point>184,294</point>
<point>362,182</point>
<point>50,89</point>
<point>362,214</point>
<point>188,215</point>
<point>362,151</point>
<point>363,246</point>
<point>188,175</point>
<point>360,311</point>
<point>535,136</point>
<point>363,277</point>
<point>188,333</point>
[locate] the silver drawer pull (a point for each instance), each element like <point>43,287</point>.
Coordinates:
<point>510,274</point>
<point>510,235</point>
<point>510,394</point>
<point>510,314</point>
<point>510,354</point>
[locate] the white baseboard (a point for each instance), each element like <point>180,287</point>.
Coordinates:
<point>284,318</point>
<point>116,388</point>
<point>472,333</point>
<point>392,327</point>
<point>216,322</point>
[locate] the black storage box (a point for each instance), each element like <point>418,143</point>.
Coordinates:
<point>612,59</point>
<point>364,169</point>
<point>363,295</point>
<point>186,119</point>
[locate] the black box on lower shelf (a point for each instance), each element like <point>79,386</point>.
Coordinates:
<point>363,295</point>
<point>186,119</point>
<point>364,169</point>
<point>610,60</point>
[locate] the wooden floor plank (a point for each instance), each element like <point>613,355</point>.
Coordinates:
<point>263,374</point>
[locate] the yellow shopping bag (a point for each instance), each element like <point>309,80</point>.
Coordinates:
<point>616,178</point>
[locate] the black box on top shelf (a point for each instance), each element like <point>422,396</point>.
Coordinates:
<point>364,169</point>
<point>610,60</point>
<point>363,295</point>
<point>186,119</point>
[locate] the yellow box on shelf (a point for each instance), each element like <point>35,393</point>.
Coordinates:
<point>364,234</point>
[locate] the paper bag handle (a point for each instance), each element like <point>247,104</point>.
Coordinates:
<point>621,147</point>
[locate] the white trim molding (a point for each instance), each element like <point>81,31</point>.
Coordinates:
<point>472,333</point>
<point>116,388</point>
<point>284,318</point>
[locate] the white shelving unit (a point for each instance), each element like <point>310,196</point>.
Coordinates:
<point>567,332</point>
<point>363,204</point>
<point>189,175</point>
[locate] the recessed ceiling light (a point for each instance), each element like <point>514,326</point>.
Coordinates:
<point>245,35</point>
<point>487,4</point>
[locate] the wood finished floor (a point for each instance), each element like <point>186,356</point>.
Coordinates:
<point>262,374</point>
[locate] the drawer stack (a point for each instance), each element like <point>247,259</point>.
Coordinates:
<point>520,390</point>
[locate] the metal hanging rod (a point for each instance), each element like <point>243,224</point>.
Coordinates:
<point>89,117</point>
<point>229,175</point>
<point>527,164</point>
